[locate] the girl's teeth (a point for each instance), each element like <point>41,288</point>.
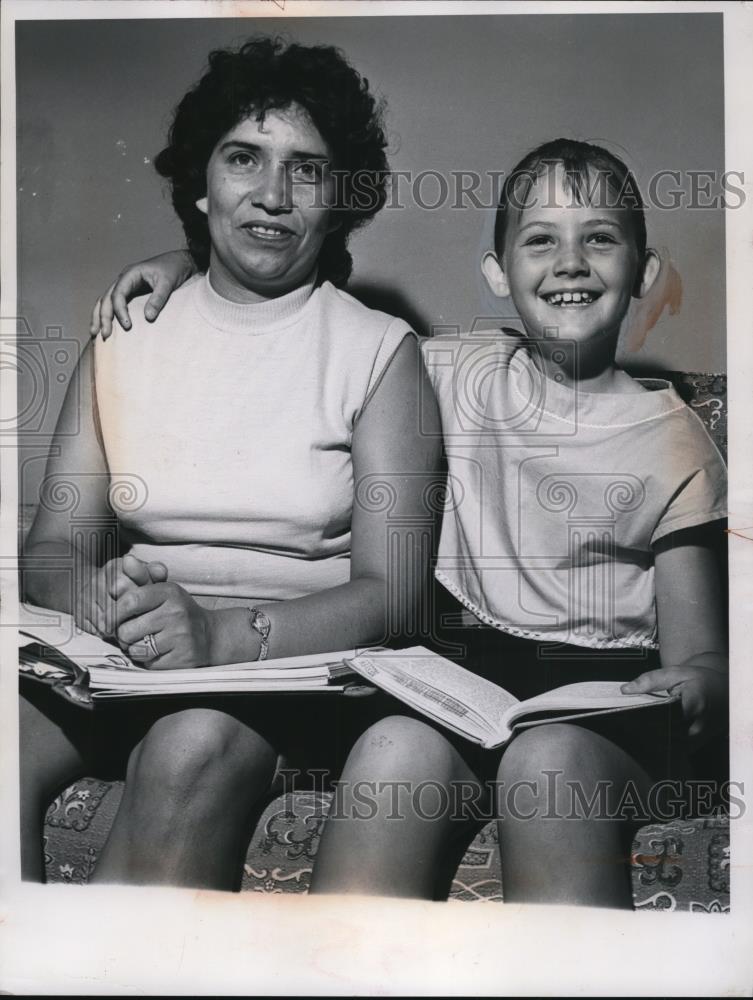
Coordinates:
<point>576,298</point>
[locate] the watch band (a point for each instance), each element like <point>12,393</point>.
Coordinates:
<point>261,624</point>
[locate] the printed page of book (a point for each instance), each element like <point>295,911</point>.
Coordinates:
<point>444,691</point>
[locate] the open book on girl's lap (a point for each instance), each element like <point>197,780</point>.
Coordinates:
<point>479,709</point>
<point>88,670</point>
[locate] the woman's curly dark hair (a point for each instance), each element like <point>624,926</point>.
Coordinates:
<point>267,74</point>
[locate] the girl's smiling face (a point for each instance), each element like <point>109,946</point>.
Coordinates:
<point>568,267</point>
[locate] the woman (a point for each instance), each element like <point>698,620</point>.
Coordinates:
<point>266,414</point>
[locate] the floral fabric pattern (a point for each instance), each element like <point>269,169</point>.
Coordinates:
<point>682,866</point>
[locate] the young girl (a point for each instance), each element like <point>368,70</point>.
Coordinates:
<point>584,514</point>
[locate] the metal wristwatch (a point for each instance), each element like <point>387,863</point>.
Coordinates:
<point>261,624</point>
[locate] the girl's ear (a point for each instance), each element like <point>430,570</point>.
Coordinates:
<point>201,204</point>
<point>658,287</point>
<point>647,275</point>
<point>496,278</point>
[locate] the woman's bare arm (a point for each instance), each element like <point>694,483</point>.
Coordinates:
<point>70,557</point>
<point>73,497</point>
<point>396,457</point>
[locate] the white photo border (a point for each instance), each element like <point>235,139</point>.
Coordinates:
<point>121,940</point>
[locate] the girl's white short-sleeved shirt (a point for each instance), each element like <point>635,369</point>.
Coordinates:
<point>556,496</point>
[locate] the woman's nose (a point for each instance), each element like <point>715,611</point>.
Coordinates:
<point>571,261</point>
<point>273,189</point>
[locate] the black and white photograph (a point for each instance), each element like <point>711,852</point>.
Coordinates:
<point>376,498</point>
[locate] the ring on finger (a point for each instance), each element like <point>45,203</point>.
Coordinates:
<point>145,649</point>
<point>150,641</point>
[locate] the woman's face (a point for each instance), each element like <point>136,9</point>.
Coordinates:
<point>268,188</point>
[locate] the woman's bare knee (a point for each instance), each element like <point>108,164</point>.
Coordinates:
<point>197,749</point>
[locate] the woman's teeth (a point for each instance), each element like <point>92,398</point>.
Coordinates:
<point>570,298</point>
<point>268,230</point>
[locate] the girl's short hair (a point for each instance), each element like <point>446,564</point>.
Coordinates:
<point>587,169</point>
<point>267,74</point>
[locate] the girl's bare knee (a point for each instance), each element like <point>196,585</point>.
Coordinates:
<point>558,746</point>
<point>400,747</point>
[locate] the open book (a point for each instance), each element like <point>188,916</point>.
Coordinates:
<point>85,669</point>
<point>479,709</point>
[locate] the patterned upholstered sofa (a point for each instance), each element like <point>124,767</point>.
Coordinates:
<point>678,866</point>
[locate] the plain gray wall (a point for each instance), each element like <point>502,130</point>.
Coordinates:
<point>464,93</point>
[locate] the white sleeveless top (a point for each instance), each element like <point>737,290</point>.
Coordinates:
<point>227,431</point>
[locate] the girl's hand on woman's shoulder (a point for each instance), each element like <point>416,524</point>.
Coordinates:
<point>160,275</point>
